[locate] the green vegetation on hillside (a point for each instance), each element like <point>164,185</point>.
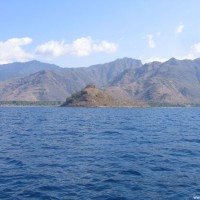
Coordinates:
<point>165,104</point>
<point>31,103</point>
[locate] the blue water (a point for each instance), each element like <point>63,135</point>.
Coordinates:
<point>99,153</point>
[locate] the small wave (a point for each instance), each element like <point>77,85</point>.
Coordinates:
<point>110,132</point>
<point>129,157</point>
<point>15,162</point>
<point>49,188</point>
<point>191,140</point>
<point>108,197</point>
<point>161,169</point>
<point>131,172</point>
<point>135,188</point>
<point>110,180</point>
<point>29,194</point>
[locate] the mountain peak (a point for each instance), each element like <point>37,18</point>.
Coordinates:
<point>172,61</point>
<point>33,61</point>
<point>128,60</point>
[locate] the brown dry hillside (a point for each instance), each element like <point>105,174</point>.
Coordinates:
<point>174,81</point>
<point>91,96</point>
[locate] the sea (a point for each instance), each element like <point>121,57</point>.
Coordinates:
<point>99,153</point>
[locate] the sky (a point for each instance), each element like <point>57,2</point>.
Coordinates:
<point>77,33</point>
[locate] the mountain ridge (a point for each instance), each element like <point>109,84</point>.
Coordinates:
<point>173,81</point>
<point>60,83</point>
<point>21,69</point>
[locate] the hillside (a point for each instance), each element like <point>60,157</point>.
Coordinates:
<point>173,81</point>
<point>51,85</point>
<point>21,69</point>
<point>91,96</point>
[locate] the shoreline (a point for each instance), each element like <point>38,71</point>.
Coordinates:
<point>60,106</point>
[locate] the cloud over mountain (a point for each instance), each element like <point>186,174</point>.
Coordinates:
<point>11,50</point>
<point>83,46</point>
<point>194,51</point>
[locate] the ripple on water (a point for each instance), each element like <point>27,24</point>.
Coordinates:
<point>131,172</point>
<point>54,153</point>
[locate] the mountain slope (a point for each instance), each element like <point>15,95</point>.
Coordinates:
<point>104,74</point>
<point>41,86</point>
<point>21,69</point>
<point>172,81</point>
<point>59,84</point>
<point>91,96</point>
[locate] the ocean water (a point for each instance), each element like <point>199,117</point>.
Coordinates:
<point>99,153</point>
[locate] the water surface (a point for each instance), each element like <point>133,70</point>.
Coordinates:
<point>99,153</point>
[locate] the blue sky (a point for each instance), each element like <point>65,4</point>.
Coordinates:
<point>75,33</point>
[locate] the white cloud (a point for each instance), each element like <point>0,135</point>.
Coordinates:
<point>180,28</point>
<point>84,46</point>
<point>11,50</point>
<point>152,59</point>
<point>81,47</point>
<point>196,48</point>
<point>194,51</point>
<point>151,42</point>
<point>52,48</point>
<point>105,46</point>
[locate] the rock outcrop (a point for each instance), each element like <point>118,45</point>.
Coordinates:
<point>91,96</point>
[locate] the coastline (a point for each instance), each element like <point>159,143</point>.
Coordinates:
<point>60,104</point>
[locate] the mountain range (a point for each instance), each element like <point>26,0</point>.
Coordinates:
<point>173,81</point>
